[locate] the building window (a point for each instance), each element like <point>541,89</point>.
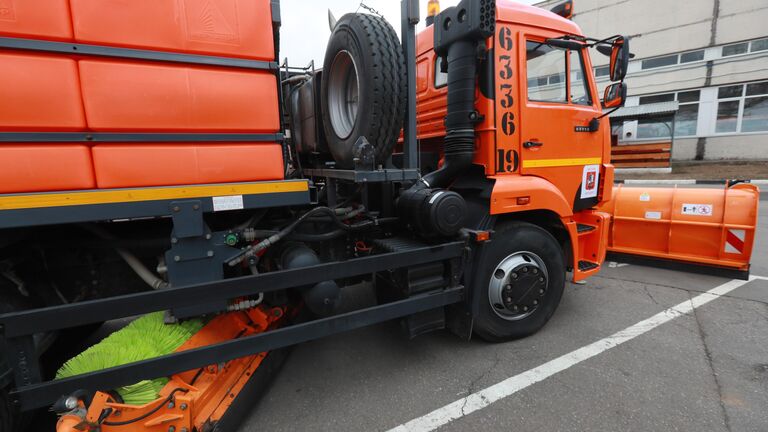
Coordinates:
<point>727,116</point>
<point>686,121</point>
<point>659,62</point>
<point>441,78</point>
<point>735,49</point>
<point>654,128</point>
<point>755,117</point>
<point>692,56</point>
<point>730,91</point>
<point>689,96</point>
<point>602,71</point>
<point>759,45</point>
<point>742,108</point>
<point>645,100</point>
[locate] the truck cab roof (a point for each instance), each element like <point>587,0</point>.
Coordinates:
<point>517,13</point>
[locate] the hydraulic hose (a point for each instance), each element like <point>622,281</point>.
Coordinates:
<point>273,239</point>
<point>141,270</point>
<point>133,262</point>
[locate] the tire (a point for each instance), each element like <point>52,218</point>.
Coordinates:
<point>363,90</point>
<point>519,256</point>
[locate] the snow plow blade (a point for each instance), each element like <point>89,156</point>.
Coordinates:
<point>709,227</point>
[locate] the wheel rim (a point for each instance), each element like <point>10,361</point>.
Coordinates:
<point>343,94</point>
<point>518,285</point>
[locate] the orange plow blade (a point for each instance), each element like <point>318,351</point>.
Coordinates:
<point>711,227</point>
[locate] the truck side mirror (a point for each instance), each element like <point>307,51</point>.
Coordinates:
<point>615,95</point>
<point>619,58</point>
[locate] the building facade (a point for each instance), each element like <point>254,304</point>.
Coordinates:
<point>709,55</point>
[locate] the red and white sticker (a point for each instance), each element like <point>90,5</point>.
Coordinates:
<point>734,241</point>
<point>697,209</point>
<point>589,181</point>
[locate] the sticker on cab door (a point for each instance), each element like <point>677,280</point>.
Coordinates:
<point>589,181</point>
<point>697,209</point>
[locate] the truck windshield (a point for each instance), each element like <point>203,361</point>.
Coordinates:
<point>555,75</point>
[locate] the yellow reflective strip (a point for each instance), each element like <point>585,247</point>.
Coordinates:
<point>111,196</point>
<point>542,163</point>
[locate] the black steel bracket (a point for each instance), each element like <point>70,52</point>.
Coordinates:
<point>42,394</point>
<point>75,314</point>
<point>131,137</point>
<point>132,53</point>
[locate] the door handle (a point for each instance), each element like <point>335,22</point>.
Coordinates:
<point>529,144</point>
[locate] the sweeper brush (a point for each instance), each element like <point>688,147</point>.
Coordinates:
<point>195,400</point>
<point>145,338</point>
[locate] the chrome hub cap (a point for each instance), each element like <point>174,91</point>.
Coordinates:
<point>518,285</point>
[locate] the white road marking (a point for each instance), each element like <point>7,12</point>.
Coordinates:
<point>510,386</point>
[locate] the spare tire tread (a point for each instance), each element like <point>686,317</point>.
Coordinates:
<point>388,83</point>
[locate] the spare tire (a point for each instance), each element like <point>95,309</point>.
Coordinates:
<point>363,87</point>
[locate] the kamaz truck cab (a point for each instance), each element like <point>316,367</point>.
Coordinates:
<point>542,141</point>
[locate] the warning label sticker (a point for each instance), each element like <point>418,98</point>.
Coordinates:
<point>224,203</point>
<point>7,12</point>
<point>697,209</point>
<point>589,181</point>
<point>656,215</point>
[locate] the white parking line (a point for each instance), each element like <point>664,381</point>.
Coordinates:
<point>510,386</point>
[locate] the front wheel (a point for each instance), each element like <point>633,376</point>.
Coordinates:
<point>522,278</point>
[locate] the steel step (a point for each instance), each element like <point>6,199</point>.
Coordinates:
<point>587,265</point>
<point>583,228</point>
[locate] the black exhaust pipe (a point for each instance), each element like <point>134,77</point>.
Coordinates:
<point>460,34</point>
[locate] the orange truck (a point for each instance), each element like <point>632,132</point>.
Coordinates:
<point>155,156</point>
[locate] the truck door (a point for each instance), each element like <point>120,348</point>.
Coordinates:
<point>558,102</point>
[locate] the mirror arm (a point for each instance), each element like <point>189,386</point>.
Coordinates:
<point>605,114</point>
<point>594,124</point>
<point>608,40</point>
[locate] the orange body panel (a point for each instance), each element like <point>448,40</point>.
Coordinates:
<point>136,165</point>
<point>705,226</point>
<point>39,93</point>
<point>45,167</point>
<point>36,19</point>
<point>240,28</point>
<point>124,96</point>
<point>541,194</point>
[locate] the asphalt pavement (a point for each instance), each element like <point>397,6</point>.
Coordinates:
<point>661,354</point>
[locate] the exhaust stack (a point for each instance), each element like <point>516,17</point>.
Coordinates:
<point>460,34</point>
